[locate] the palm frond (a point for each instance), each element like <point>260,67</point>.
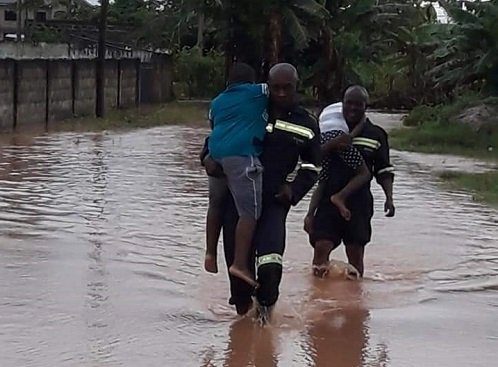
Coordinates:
<point>297,31</point>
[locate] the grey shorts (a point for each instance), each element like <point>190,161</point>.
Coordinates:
<point>245,180</point>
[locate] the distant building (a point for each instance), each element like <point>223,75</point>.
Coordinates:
<point>41,11</point>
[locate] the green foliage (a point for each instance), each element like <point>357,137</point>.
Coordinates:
<point>45,34</point>
<point>423,114</point>
<point>198,74</point>
<point>484,186</point>
<point>129,12</point>
<point>433,137</point>
<point>434,129</point>
<point>443,114</point>
<point>467,56</point>
<point>397,48</point>
<point>301,18</point>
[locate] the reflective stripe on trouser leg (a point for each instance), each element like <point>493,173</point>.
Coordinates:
<point>269,241</point>
<point>269,277</point>
<point>269,259</point>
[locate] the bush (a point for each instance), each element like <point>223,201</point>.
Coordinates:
<point>446,139</point>
<point>199,75</point>
<point>387,84</point>
<point>445,113</point>
<point>45,34</point>
<point>440,128</point>
<point>423,114</point>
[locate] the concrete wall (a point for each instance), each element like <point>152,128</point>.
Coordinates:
<point>128,83</point>
<point>6,94</point>
<point>41,91</point>
<point>60,90</point>
<point>156,79</point>
<point>166,79</point>
<point>66,51</point>
<point>85,95</point>
<point>111,84</point>
<point>29,51</point>
<point>31,92</point>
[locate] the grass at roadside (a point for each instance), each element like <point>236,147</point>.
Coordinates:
<point>484,186</point>
<point>434,129</point>
<point>455,140</point>
<point>173,113</point>
<point>444,139</point>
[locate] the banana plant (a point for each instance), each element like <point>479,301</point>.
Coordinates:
<point>468,55</point>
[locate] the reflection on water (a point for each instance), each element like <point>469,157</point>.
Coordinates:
<point>250,345</point>
<point>337,334</point>
<point>101,237</point>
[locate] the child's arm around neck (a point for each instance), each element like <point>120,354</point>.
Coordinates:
<point>359,127</point>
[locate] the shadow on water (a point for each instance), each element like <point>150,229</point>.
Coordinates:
<point>101,239</point>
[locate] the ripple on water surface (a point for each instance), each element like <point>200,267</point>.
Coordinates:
<point>101,237</point>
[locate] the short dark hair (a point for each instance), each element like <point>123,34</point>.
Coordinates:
<point>356,88</point>
<point>241,73</point>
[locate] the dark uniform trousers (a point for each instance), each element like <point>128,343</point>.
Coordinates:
<point>269,246</point>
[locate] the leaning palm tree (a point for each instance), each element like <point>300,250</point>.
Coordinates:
<point>294,17</point>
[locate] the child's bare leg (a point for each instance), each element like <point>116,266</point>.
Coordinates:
<point>218,191</point>
<point>213,229</point>
<point>243,242</point>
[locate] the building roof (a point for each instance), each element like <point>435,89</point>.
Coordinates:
<point>84,2</point>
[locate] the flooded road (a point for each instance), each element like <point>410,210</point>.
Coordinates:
<point>101,242</point>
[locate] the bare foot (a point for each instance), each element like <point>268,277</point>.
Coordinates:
<point>243,274</point>
<point>211,263</point>
<point>341,205</point>
<point>352,273</point>
<point>321,271</point>
<point>321,254</point>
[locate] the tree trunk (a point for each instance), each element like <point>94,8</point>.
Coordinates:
<point>275,33</point>
<point>100,72</point>
<point>19,21</point>
<point>324,73</point>
<point>200,29</point>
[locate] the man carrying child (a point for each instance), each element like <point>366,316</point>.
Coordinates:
<point>292,136</point>
<point>328,223</point>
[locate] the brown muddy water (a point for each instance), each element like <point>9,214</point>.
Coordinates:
<point>101,242</point>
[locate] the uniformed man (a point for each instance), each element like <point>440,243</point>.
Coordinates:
<point>328,227</point>
<point>292,137</point>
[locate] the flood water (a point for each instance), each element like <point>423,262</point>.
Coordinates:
<point>101,243</point>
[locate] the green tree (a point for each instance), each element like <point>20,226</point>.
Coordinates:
<point>343,39</point>
<point>468,53</point>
